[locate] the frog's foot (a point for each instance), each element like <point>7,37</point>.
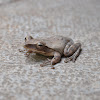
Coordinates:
<point>47,62</point>
<point>72,52</point>
<point>68,59</point>
<point>21,50</point>
<point>76,54</point>
<point>27,54</point>
<point>24,51</point>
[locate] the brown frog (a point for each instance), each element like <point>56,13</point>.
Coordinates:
<point>54,46</point>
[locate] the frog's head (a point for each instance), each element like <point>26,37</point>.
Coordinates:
<point>36,45</point>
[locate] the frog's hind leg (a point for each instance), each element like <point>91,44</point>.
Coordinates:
<point>76,54</point>
<point>72,51</point>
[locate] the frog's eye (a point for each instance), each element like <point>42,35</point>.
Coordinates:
<point>25,38</point>
<point>40,44</point>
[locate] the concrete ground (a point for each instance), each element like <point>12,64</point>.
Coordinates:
<point>22,78</point>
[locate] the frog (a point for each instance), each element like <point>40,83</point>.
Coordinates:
<point>53,46</point>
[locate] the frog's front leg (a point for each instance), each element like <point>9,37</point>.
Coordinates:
<point>28,53</point>
<point>72,51</point>
<point>56,58</point>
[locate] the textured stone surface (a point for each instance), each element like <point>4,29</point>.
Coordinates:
<point>22,78</point>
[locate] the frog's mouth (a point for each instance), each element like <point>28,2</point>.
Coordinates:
<point>33,47</point>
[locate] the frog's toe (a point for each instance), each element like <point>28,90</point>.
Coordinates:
<point>73,60</point>
<point>68,59</point>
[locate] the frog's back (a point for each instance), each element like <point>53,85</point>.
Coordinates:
<point>57,43</point>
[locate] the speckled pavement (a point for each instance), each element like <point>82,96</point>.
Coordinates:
<point>22,78</point>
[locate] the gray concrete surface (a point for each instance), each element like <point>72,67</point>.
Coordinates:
<point>22,78</point>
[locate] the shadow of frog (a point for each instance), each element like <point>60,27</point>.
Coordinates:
<point>36,58</point>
